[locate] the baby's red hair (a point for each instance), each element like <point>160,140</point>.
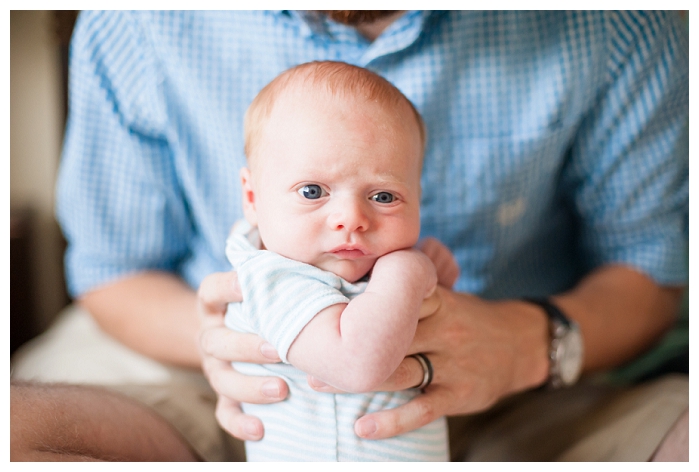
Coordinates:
<point>337,78</point>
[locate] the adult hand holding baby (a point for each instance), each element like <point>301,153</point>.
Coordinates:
<point>219,346</point>
<point>480,352</point>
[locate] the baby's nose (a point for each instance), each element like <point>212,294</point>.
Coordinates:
<point>349,216</point>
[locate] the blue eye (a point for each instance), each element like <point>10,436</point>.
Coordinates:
<point>311,192</point>
<point>383,197</point>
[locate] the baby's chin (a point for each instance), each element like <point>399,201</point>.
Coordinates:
<point>351,271</point>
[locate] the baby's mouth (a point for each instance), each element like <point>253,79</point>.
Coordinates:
<point>348,252</point>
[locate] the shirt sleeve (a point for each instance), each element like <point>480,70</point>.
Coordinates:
<point>281,296</point>
<point>118,200</point>
<point>628,170</point>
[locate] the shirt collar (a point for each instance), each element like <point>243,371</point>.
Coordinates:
<point>398,36</point>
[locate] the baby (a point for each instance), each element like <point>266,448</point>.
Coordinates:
<point>326,262</point>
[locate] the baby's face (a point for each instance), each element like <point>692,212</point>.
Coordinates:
<point>336,183</point>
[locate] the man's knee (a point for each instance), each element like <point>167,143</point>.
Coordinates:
<point>64,422</point>
<point>28,421</point>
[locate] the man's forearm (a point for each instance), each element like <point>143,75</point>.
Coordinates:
<point>621,312</point>
<point>153,313</point>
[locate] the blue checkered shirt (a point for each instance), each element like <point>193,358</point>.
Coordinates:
<point>557,141</point>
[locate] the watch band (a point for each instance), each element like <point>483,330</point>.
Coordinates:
<point>552,311</point>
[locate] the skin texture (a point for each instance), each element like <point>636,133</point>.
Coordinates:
<point>153,313</point>
<point>111,427</point>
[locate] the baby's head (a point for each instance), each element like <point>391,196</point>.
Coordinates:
<point>334,158</point>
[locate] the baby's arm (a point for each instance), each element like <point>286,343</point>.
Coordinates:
<point>356,346</point>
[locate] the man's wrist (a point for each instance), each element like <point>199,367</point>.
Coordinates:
<point>530,338</point>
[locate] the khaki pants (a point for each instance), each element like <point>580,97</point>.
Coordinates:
<point>590,422</point>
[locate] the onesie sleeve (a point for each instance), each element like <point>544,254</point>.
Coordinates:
<point>280,296</point>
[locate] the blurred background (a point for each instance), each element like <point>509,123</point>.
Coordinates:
<point>38,67</point>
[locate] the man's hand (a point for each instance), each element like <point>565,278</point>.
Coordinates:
<point>219,346</point>
<point>481,351</point>
<point>443,260</point>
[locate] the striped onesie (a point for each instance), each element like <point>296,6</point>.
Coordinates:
<point>280,297</point>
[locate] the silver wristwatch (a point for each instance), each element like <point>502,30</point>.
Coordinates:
<point>566,352</point>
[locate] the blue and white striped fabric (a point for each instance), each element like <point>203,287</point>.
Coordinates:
<point>558,141</point>
<point>280,296</point>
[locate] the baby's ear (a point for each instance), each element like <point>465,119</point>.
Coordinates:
<point>248,196</point>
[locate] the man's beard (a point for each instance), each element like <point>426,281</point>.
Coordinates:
<point>355,17</point>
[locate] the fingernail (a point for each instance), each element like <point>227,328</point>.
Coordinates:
<point>366,428</point>
<point>252,429</point>
<point>270,389</point>
<point>269,352</point>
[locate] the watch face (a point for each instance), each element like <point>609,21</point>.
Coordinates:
<point>570,357</point>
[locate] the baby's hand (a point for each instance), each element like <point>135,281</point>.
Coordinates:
<point>443,260</point>
<point>414,264</point>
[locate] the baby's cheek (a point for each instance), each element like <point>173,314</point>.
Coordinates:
<point>407,235</point>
